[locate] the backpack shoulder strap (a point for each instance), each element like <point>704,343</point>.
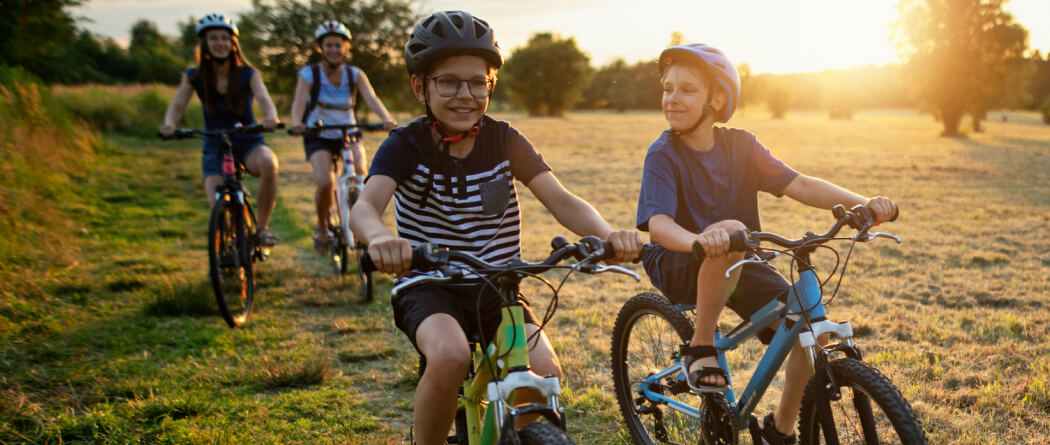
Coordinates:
<point>315,91</point>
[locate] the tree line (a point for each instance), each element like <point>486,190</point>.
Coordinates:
<point>964,57</point>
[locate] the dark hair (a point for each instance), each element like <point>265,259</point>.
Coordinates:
<point>235,98</point>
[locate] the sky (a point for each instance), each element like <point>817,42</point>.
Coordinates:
<point>776,36</point>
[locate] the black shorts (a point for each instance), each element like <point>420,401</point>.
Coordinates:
<point>414,305</point>
<point>312,144</point>
<point>674,274</point>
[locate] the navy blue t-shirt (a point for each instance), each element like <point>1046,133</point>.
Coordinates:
<point>217,112</point>
<point>700,188</point>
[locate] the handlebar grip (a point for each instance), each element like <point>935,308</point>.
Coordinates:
<point>421,260</point>
<point>737,243</point>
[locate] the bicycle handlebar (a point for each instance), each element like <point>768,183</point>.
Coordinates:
<point>590,250</point>
<point>186,133</point>
<point>314,130</point>
<point>860,217</point>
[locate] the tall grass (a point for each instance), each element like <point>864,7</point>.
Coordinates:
<point>135,110</point>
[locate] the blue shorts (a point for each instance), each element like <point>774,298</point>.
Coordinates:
<point>211,155</point>
<point>674,274</point>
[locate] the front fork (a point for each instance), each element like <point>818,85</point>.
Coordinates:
<point>819,356</point>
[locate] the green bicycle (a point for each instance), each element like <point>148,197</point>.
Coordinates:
<point>487,410</point>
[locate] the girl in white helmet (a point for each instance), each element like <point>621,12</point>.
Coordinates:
<point>226,85</point>
<point>327,92</point>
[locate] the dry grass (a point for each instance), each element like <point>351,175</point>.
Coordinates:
<point>956,316</point>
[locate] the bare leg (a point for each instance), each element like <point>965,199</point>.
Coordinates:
<point>263,163</point>
<point>360,160</point>
<point>210,184</point>
<point>796,376</point>
<point>713,290</point>
<point>544,362</point>
<point>444,344</point>
<point>324,177</point>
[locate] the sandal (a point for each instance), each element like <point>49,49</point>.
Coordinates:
<point>695,378</point>
<point>265,238</point>
<point>323,244</point>
<point>767,434</point>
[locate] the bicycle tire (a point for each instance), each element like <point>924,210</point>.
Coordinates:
<point>227,238</point>
<point>865,384</point>
<point>358,250</point>
<point>540,433</point>
<point>634,311</point>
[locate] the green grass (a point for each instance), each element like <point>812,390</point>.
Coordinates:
<point>121,343</point>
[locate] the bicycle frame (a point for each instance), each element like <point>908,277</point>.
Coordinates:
<point>803,303</point>
<point>344,184</point>
<point>486,398</point>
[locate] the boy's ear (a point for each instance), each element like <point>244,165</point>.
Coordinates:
<point>718,100</point>
<point>417,87</point>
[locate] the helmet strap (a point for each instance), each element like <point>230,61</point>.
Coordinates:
<point>446,136</point>
<point>707,111</point>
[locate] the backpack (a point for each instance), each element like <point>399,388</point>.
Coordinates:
<point>315,88</point>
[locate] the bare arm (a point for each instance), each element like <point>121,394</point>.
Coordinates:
<point>302,90</point>
<point>816,192</point>
<point>177,107</point>
<point>581,218</point>
<point>376,105</point>
<point>389,253</point>
<point>263,96</point>
<point>667,233</point>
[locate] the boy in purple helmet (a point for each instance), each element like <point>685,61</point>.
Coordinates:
<point>699,184</point>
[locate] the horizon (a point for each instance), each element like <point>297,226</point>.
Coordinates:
<point>862,30</point>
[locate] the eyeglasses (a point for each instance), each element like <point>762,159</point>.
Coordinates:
<point>448,86</point>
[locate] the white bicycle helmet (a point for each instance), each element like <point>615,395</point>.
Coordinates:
<point>332,27</point>
<point>213,21</point>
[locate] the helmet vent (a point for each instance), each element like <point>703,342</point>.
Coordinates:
<point>456,20</point>
<point>416,48</point>
<point>479,29</point>
<point>438,30</point>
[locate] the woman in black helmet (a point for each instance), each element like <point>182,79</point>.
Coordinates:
<point>452,174</point>
<point>226,85</point>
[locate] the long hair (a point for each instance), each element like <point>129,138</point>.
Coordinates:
<point>235,98</point>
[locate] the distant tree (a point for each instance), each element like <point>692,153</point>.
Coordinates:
<point>279,37</point>
<point>778,99</point>
<point>1039,87</point>
<point>957,52</point>
<point>37,35</point>
<point>547,75</point>
<point>186,42</point>
<point>153,54</point>
<point>609,87</point>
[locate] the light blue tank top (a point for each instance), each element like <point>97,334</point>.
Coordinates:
<point>332,95</point>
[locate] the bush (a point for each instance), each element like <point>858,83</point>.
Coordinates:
<point>1046,111</point>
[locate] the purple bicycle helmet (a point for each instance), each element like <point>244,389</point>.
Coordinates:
<point>716,63</point>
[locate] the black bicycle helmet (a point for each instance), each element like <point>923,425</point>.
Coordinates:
<point>449,33</point>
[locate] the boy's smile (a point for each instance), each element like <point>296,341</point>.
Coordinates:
<point>460,112</point>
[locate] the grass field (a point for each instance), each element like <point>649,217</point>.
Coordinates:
<point>129,349</point>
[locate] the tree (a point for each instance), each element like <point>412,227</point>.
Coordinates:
<point>957,52</point>
<point>280,33</point>
<point>154,56</point>
<point>36,35</point>
<point>547,75</point>
<point>606,89</point>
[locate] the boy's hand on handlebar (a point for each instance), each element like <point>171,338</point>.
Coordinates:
<point>391,255</point>
<point>270,123</point>
<point>627,245</point>
<point>715,241</point>
<point>884,209</point>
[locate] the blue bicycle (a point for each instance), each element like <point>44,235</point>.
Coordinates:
<point>847,401</point>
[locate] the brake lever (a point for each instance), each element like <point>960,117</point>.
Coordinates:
<point>616,269</point>
<point>869,236</point>
<point>412,282</point>
<point>753,259</point>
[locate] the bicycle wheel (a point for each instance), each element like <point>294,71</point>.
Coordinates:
<point>356,251</point>
<point>646,338</point>
<point>230,262</point>
<point>540,433</point>
<point>870,411</point>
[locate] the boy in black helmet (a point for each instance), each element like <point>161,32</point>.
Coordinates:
<point>451,173</point>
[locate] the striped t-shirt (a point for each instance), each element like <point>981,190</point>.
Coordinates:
<point>471,203</point>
